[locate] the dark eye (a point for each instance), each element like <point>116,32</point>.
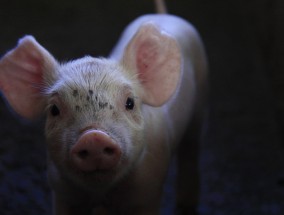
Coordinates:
<point>129,105</point>
<point>54,110</point>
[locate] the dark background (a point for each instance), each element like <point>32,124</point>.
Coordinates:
<point>242,154</point>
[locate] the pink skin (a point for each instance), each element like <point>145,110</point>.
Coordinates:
<point>95,151</point>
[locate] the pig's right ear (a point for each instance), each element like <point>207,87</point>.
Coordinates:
<point>155,58</point>
<point>23,76</point>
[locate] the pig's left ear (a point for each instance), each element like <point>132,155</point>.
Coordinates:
<point>23,74</point>
<point>155,57</point>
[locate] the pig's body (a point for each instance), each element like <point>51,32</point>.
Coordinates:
<point>82,105</point>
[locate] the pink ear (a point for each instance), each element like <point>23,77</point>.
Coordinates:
<point>22,76</point>
<point>156,58</point>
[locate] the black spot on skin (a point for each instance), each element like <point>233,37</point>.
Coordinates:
<point>96,98</point>
<point>110,107</point>
<point>91,92</point>
<point>88,98</point>
<point>78,108</point>
<point>103,105</point>
<point>75,93</point>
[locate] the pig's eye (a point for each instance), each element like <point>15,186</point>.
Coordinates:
<point>54,110</point>
<point>129,105</point>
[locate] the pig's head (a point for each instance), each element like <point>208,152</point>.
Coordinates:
<point>94,107</point>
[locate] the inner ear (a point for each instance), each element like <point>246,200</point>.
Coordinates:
<point>24,73</point>
<point>154,56</point>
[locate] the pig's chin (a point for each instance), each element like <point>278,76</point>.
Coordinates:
<point>97,175</point>
<point>95,178</point>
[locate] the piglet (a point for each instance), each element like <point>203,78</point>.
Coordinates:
<point>113,124</point>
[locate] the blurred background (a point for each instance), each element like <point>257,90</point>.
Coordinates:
<point>242,153</point>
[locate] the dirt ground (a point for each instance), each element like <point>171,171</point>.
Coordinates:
<point>242,152</point>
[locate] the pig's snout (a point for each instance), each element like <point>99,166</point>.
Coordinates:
<point>95,150</point>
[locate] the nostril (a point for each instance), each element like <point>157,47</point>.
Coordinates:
<point>109,151</point>
<point>83,154</point>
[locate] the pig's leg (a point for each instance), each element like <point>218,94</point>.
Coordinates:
<point>188,186</point>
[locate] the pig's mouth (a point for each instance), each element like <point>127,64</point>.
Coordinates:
<point>100,177</point>
<point>98,173</point>
<point>96,157</point>
<point>95,178</point>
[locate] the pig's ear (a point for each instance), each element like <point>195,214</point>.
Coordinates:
<point>22,77</point>
<point>155,57</point>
